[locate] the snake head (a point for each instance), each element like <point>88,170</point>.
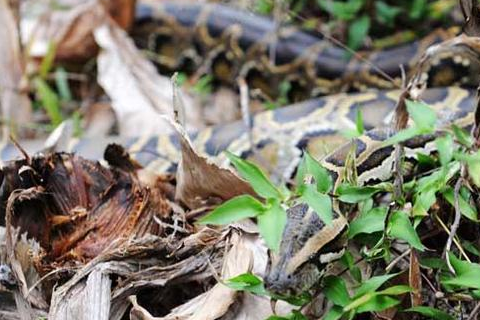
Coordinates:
<point>307,248</point>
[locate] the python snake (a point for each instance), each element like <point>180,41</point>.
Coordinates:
<point>229,43</point>
<point>237,44</point>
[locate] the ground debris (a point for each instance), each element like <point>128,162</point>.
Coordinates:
<point>85,239</point>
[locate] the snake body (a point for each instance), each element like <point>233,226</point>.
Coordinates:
<point>229,43</point>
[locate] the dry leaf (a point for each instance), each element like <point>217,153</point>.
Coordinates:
<point>14,102</point>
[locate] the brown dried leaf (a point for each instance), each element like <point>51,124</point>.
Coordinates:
<point>415,280</point>
<point>72,27</point>
<point>200,181</point>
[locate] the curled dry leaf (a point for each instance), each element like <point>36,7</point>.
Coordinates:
<point>200,181</point>
<point>14,102</point>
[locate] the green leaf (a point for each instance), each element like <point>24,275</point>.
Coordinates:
<point>48,59</point>
<point>386,13</point>
<point>396,290</point>
<point>377,303</point>
<point>433,263</point>
<point>430,312</point>
<point>319,202</point>
<point>418,9</point>
<point>423,116</point>
<point>353,194</point>
<point>467,273</point>
<point>204,85</point>
<point>358,31</point>
<point>246,282</point>
<point>49,100</point>
<point>402,135</point>
<point>61,82</point>
<point>264,7</point>
<point>400,227</point>
<point>445,148</point>
<point>336,291</point>
<point>359,122</point>
<point>257,179</point>
<point>373,284</point>
<point>334,313</point>
<point>462,136</point>
<point>341,10</point>
<point>235,209</point>
<point>347,261</point>
<point>423,201</point>
<point>369,222</point>
<point>309,165</point>
<point>470,247</point>
<point>271,224</point>
<point>465,208</point>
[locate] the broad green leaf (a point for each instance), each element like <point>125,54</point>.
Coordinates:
<point>334,313</point>
<point>49,100</point>
<point>47,61</point>
<point>423,116</point>
<point>425,159</point>
<point>357,32</point>
<point>354,194</point>
<point>348,261</point>
<point>336,291</point>
<point>319,202</point>
<point>377,303</point>
<point>445,148</point>
<point>423,201</point>
<point>271,224</point>
<point>386,13</point>
<point>257,179</point>
<point>373,284</point>
<point>467,273</point>
<point>368,222</point>
<point>264,7</point>
<point>311,166</point>
<point>61,82</point>
<point>465,208</point>
<point>395,290</point>
<point>462,136</point>
<point>235,209</point>
<point>341,10</point>
<point>400,227</point>
<point>418,9</point>
<point>470,247</point>
<point>431,313</point>
<point>246,282</point>
<point>402,135</point>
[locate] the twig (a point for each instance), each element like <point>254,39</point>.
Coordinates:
<point>474,312</point>
<point>456,221</point>
<point>245,108</point>
<point>178,105</point>
<point>455,240</point>
<point>396,260</point>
